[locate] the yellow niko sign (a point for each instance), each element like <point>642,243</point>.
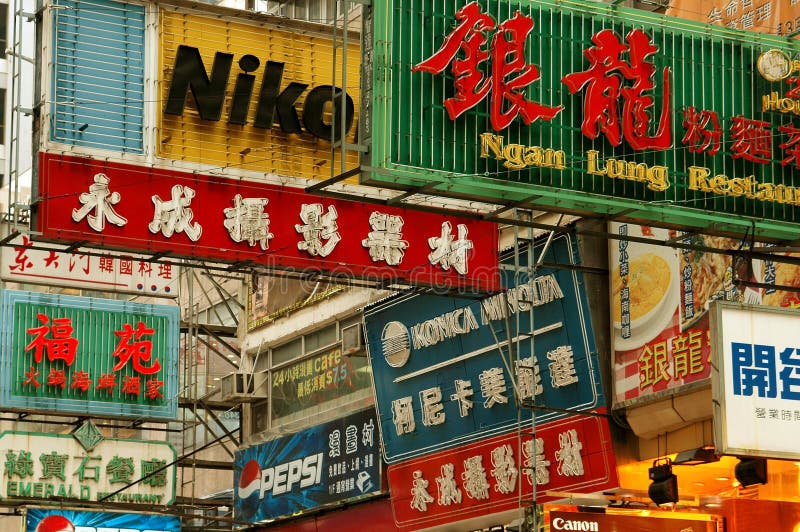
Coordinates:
<point>253,97</point>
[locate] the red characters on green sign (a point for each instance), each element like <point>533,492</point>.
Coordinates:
<point>54,338</point>
<point>131,346</point>
<point>60,347</point>
<point>509,73</point>
<point>603,82</point>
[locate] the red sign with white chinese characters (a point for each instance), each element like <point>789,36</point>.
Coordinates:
<point>483,478</point>
<point>183,214</point>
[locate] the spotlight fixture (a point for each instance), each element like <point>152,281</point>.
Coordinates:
<point>664,488</point>
<point>751,471</point>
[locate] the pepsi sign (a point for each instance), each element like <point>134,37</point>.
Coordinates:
<point>283,478</point>
<point>47,520</point>
<point>325,464</point>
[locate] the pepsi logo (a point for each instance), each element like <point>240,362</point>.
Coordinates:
<point>249,490</point>
<point>295,475</point>
<point>59,523</point>
<point>55,523</point>
<point>250,479</point>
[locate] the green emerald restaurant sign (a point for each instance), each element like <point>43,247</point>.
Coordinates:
<point>588,108</point>
<point>47,466</point>
<point>88,356</point>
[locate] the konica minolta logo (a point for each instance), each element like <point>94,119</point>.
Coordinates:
<point>396,344</point>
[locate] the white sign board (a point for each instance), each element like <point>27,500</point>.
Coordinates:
<point>104,271</point>
<point>756,380</point>
<point>46,466</point>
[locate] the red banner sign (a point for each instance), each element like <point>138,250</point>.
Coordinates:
<point>484,478</point>
<point>183,214</point>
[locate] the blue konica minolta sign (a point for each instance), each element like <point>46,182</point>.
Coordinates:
<point>441,367</point>
<point>324,464</point>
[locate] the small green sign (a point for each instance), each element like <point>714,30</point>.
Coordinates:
<point>88,355</point>
<point>588,108</point>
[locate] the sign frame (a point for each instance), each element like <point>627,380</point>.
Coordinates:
<point>10,336</point>
<point>27,439</point>
<point>292,230</point>
<point>733,442</point>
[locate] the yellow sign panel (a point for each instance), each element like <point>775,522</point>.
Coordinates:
<point>253,97</point>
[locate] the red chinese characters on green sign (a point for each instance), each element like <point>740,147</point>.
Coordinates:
<point>510,74</point>
<point>89,354</point>
<point>604,90</point>
<point>54,338</point>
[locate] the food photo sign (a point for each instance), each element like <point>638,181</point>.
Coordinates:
<point>660,296</point>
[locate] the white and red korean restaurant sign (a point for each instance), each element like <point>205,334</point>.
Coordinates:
<point>49,466</point>
<point>200,216</point>
<point>483,479</point>
<point>25,262</point>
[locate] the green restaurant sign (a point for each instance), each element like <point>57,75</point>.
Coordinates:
<point>47,466</point>
<point>88,356</point>
<point>586,107</point>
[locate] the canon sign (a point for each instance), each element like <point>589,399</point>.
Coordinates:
<point>559,523</point>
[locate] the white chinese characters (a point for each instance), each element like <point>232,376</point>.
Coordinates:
<point>247,222</point>
<point>101,200</point>
<point>458,483</point>
<point>385,241</point>
<point>450,252</point>
<point>319,229</point>
<point>432,408</point>
<point>174,215</point>
<point>193,209</point>
<point>496,388</point>
<point>403,415</point>
<point>419,493</point>
<point>448,489</point>
<point>570,463</point>
<point>474,478</point>
<point>503,470</point>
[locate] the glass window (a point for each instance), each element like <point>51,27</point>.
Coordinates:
<point>350,321</point>
<point>321,338</point>
<point>287,352</point>
<point>259,417</point>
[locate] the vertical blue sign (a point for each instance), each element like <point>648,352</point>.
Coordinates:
<point>441,366</point>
